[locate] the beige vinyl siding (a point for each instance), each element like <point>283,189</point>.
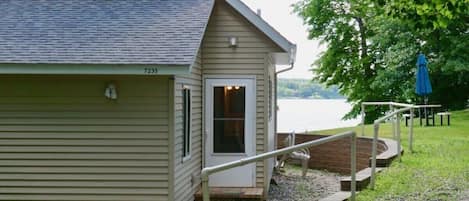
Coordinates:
<point>61,139</point>
<point>249,58</point>
<point>184,186</point>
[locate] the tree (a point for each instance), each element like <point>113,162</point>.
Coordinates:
<point>372,46</point>
<point>348,61</point>
<point>303,88</point>
<point>442,28</point>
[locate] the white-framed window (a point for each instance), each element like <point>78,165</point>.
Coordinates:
<point>186,122</point>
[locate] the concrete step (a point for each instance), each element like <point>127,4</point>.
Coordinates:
<point>339,196</point>
<point>362,178</point>
<point>385,159</point>
<point>232,193</point>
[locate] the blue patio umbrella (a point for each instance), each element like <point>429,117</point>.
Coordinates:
<point>423,86</point>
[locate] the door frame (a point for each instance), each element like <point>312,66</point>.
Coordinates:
<point>253,129</point>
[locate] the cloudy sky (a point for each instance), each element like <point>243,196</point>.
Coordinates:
<point>279,14</point>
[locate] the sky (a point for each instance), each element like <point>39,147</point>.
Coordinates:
<point>279,14</point>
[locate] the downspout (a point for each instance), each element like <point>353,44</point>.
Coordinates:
<point>292,64</point>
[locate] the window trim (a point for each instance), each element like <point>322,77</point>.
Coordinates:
<point>186,153</point>
<point>270,98</point>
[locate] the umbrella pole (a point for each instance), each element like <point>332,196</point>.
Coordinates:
<point>425,99</point>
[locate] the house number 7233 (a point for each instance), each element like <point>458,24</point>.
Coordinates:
<point>150,70</point>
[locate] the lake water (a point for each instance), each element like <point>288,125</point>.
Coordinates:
<point>313,114</point>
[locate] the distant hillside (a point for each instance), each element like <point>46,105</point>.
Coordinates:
<point>303,88</point>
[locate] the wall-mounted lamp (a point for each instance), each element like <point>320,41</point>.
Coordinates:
<point>233,41</point>
<point>232,87</point>
<point>111,91</point>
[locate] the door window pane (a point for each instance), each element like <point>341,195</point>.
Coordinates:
<point>229,119</point>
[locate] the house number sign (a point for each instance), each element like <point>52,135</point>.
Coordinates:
<point>150,71</point>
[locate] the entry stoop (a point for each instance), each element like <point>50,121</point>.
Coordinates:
<point>232,194</point>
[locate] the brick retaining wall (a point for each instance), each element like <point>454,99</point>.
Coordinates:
<point>335,156</point>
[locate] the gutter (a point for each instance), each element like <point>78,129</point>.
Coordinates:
<point>286,69</point>
<point>93,69</point>
<point>292,56</point>
<point>292,64</point>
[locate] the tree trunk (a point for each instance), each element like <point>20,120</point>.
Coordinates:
<point>364,47</point>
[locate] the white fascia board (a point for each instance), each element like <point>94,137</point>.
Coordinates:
<point>268,30</point>
<point>94,69</point>
<point>281,58</point>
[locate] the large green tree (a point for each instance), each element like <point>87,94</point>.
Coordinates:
<point>372,46</point>
<point>442,26</point>
<point>349,59</point>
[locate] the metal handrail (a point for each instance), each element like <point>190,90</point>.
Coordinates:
<point>396,130</point>
<point>394,126</point>
<point>375,139</point>
<point>207,171</point>
<point>390,103</point>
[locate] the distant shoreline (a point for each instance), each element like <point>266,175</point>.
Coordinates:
<point>305,89</point>
<point>301,98</point>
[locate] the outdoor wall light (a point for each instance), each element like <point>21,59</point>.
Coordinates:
<point>233,41</point>
<point>231,87</point>
<point>111,91</point>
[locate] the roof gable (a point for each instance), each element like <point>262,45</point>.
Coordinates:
<point>164,32</point>
<point>133,34</point>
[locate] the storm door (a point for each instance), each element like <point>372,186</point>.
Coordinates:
<point>230,129</point>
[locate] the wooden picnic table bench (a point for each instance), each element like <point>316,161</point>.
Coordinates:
<point>442,115</point>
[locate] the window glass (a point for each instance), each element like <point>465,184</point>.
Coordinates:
<point>186,95</point>
<point>229,119</point>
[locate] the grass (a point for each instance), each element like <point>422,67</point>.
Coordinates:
<point>438,169</point>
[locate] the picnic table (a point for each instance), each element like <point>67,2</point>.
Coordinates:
<point>427,114</point>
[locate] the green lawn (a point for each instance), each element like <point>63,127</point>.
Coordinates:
<point>437,170</point>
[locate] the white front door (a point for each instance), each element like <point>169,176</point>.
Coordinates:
<point>230,128</point>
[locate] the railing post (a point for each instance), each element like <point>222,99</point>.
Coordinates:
<point>398,131</point>
<point>214,169</point>
<point>363,119</point>
<point>411,130</point>
<point>353,167</point>
<point>393,124</point>
<point>373,155</point>
<point>205,188</point>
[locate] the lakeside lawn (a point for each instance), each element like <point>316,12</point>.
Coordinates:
<point>437,170</point>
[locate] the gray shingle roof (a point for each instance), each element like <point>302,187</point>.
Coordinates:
<point>165,32</point>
